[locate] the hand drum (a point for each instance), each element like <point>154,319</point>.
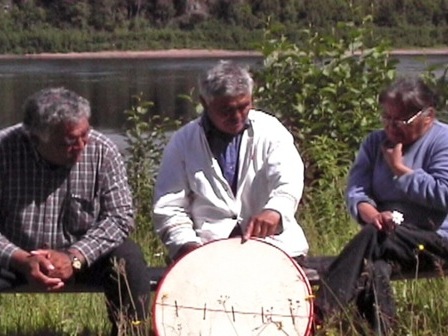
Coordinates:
<point>226,288</point>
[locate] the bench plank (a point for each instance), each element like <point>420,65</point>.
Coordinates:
<point>156,275</point>
<point>319,263</point>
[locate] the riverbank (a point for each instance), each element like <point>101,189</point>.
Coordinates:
<point>428,51</point>
<point>170,53</point>
<point>189,53</point>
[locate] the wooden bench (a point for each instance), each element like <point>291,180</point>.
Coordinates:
<point>156,275</point>
<point>319,263</point>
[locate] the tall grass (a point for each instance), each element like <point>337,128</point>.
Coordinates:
<point>53,315</point>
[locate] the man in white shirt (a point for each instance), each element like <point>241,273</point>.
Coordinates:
<point>234,171</point>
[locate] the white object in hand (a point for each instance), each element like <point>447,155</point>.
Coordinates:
<point>397,217</point>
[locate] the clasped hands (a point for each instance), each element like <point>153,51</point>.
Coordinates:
<point>48,268</point>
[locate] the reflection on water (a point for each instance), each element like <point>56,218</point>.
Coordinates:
<point>110,84</point>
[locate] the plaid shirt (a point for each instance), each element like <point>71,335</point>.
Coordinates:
<point>87,206</point>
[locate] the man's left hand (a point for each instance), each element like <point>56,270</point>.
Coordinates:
<point>264,224</point>
<point>60,260</point>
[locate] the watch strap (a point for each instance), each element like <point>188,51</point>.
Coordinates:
<point>76,263</point>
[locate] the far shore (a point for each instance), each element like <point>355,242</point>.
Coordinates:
<point>170,53</point>
<point>190,53</point>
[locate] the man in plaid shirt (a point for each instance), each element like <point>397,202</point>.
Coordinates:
<point>66,208</point>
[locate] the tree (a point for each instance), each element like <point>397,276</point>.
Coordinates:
<point>180,6</point>
<point>266,9</point>
<point>105,14</point>
<point>330,101</point>
<point>228,11</point>
<point>68,13</point>
<point>28,16</point>
<point>161,11</point>
<point>134,8</point>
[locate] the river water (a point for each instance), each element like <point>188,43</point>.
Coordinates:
<point>110,84</point>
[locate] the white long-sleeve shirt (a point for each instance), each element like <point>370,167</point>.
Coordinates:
<point>193,202</point>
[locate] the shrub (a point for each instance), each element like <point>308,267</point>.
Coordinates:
<point>146,136</point>
<point>325,91</point>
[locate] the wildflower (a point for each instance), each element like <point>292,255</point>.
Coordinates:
<point>397,217</point>
<point>421,247</point>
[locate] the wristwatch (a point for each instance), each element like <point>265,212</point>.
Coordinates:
<point>76,263</point>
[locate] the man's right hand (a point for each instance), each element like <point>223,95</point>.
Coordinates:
<point>36,269</point>
<point>383,221</point>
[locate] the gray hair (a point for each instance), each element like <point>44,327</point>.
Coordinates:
<point>49,107</point>
<point>226,79</point>
<point>412,94</point>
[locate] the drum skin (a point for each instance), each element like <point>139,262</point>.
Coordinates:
<point>227,287</point>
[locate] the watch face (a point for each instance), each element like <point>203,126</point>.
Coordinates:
<point>76,264</point>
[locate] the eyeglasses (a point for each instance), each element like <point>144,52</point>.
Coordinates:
<point>401,123</point>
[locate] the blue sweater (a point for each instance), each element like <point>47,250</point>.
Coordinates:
<point>422,196</point>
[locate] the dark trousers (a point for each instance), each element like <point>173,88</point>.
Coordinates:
<point>124,276</point>
<point>361,273</point>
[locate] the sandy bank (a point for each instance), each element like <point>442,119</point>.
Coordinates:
<point>171,53</point>
<point>428,51</point>
<point>190,53</point>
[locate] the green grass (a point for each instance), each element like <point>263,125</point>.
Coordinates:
<point>62,314</point>
<point>421,307</point>
<point>53,315</point>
